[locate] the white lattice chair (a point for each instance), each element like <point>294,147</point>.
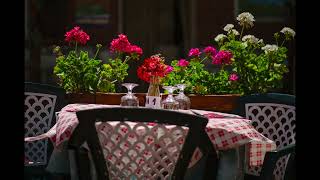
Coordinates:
<point>41,102</point>
<point>274,116</point>
<point>39,110</point>
<point>135,147</point>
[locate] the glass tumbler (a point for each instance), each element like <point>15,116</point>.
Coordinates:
<point>129,99</point>
<point>170,102</point>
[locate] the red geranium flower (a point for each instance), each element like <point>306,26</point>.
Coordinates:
<point>122,45</point>
<point>135,49</point>
<point>222,57</point>
<point>77,35</point>
<point>153,66</point>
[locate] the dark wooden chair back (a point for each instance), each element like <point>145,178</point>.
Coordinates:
<point>104,141</point>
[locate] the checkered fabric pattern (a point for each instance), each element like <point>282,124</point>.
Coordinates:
<point>226,131</point>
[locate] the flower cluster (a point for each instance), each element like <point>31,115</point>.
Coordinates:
<point>194,52</point>
<point>192,73</point>
<point>153,66</point>
<point>220,37</point>
<point>241,64</point>
<point>77,35</point>
<point>183,63</point>
<point>268,49</point>
<point>78,72</point>
<point>222,57</point>
<point>245,19</point>
<point>233,77</point>
<point>288,32</point>
<point>122,45</point>
<point>258,67</point>
<point>251,39</point>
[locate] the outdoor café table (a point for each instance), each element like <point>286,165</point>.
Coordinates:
<point>226,131</point>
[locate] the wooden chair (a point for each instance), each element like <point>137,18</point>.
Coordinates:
<point>145,149</point>
<point>273,115</point>
<point>41,102</point>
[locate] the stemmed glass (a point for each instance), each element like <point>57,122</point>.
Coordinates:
<point>129,99</point>
<point>170,102</point>
<point>184,101</point>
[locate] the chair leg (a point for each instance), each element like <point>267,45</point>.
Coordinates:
<point>210,168</point>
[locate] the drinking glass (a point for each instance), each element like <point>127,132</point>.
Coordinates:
<point>184,101</point>
<point>170,102</point>
<point>129,99</point>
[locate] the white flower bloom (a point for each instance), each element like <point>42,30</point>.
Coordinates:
<point>251,39</point>
<point>228,27</point>
<point>235,32</point>
<point>246,19</point>
<point>270,48</point>
<point>260,41</point>
<point>219,37</point>
<point>288,31</point>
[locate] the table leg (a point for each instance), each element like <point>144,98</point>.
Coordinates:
<point>231,163</point>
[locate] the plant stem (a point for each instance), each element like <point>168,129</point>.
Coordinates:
<point>204,59</point>
<point>277,41</point>
<point>283,42</point>
<point>126,59</point>
<point>241,33</point>
<point>97,53</point>
<point>76,47</point>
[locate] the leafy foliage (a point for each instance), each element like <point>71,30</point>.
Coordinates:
<point>77,72</point>
<point>254,67</point>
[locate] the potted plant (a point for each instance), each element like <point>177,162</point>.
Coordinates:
<point>241,64</point>
<point>83,76</point>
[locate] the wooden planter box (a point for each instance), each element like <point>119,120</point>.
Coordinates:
<point>220,103</point>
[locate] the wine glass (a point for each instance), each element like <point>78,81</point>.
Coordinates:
<point>129,99</point>
<point>170,102</point>
<point>184,101</point>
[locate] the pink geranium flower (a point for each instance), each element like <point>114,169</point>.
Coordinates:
<point>210,50</point>
<point>183,63</point>
<point>194,52</point>
<point>121,44</point>
<point>77,35</point>
<point>222,57</point>
<point>233,77</point>
<point>169,69</point>
<point>135,49</point>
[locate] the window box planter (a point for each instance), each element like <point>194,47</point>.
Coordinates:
<point>221,103</point>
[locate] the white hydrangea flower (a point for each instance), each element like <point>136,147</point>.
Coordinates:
<point>246,19</point>
<point>235,32</point>
<point>270,48</point>
<point>251,39</point>
<point>288,31</point>
<point>219,37</point>
<point>228,27</point>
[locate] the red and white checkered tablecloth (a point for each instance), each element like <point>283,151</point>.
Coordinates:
<point>226,131</point>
